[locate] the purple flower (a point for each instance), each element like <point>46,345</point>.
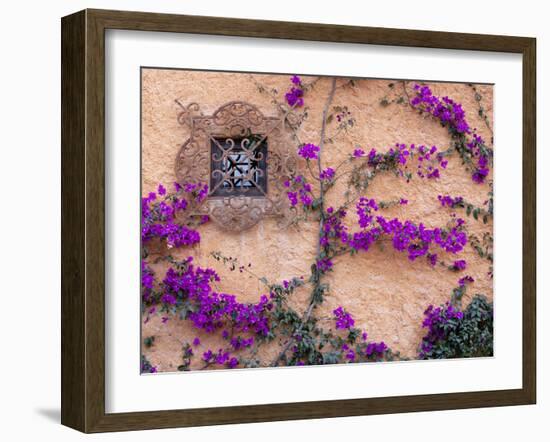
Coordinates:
<point>357,153</point>
<point>196,342</point>
<point>233,362</point>
<point>350,355</point>
<point>451,114</point>
<point>373,158</point>
<point>294,97</point>
<point>203,193</point>
<point>305,199</point>
<point>434,174</point>
<point>436,320</point>
<point>446,110</point>
<point>293,198</point>
<point>376,349</point>
<point>463,281</point>
<point>449,201</point>
<point>222,357</point>
<point>324,264</point>
<point>479,175</point>
<point>343,319</point>
<point>167,298</point>
<point>364,207</point>
<point>327,174</point>
<point>159,220</point>
<point>308,151</point>
<point>403,201</point>
<point>459,265</point>
<point>296,80</point>
<point>207,356</point>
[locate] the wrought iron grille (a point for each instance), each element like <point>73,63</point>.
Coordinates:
<point>239,166</point>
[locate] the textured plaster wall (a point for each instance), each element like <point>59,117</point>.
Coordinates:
<point>382,289</point>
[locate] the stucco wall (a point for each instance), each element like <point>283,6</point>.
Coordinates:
<point>384,291</point>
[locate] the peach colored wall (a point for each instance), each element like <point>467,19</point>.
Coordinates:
<point>382,289</point>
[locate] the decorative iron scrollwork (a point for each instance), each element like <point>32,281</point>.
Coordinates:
<point>245,159</point>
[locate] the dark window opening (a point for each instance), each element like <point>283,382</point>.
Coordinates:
<point>239,166</point>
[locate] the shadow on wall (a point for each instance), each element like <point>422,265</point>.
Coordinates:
<point>51,414</point>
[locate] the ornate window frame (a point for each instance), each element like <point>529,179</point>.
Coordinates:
<point>240,124</point>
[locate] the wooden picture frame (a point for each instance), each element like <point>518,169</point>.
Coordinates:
<point>83,220</point>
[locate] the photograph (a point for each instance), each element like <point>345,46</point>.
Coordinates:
<point>292,220</point>
<point>263,221</point>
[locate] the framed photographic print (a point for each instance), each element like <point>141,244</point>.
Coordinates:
<point>267,221</point>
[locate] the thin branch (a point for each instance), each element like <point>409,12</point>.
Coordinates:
<point>311,305</point>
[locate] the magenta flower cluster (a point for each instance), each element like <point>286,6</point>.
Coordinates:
<point>333,226</point>
<point>482,170</point>
<point>308,151</point>
<point>401,154</point>
<point>147,281</point>
<point>376,349</point>
<point>294,97</point>
<point>327,174</point>
<point>146,366</point>
<point>435,320</point>
<point>300,190</point>
<point>159,213</point>
<point>465,280</point>
<point>459,265</point>
<point>364,208</point>
<point>451,114</point>
<point>210,310</point>
<point>444,109</point>
<point>343,319</point>
<point>449,201</point>
<point>415,240</point>
<point>197,190</point>
<point>188,288</point>
<point>324,264</point>
<point>221,357</point>
<point>407,236</point>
